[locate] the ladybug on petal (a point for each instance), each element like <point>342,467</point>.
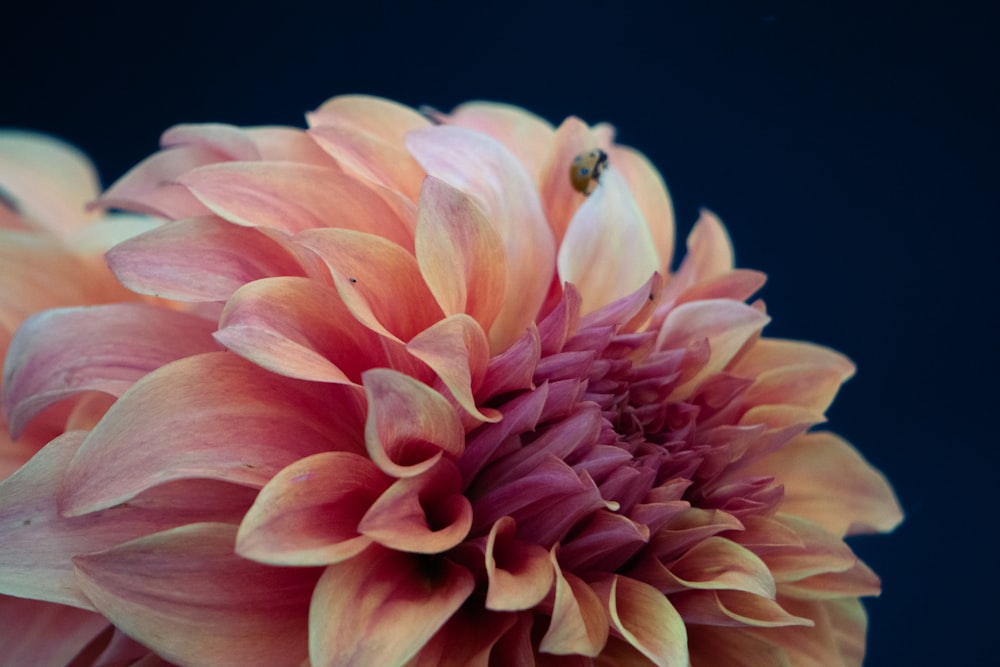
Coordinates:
<point>586,168</point>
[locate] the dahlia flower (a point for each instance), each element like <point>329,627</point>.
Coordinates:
<point>430,404</point>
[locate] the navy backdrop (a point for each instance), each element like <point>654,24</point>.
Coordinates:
<point>850,147</point>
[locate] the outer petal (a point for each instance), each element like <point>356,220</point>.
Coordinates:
<point>483,168</point>
<point>189,597</point>
<point>828,482</point>
<point>520,574</point>
<point>559,197</point>
<point>709,255</point>
<point>712,647</point>
<point>646,619</point>
<point>43,634</point>
<point>460,254</point>
<point>381,607</point>
<point>608,251</point>
<point>308,514</point>
<point>61,353</point>
<point>205,259</point>
<point>213,416</point>
<point>651,195</point>
<point>410,426</point>
<point>579,621</point>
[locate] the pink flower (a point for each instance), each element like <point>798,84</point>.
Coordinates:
<point>433,405</point>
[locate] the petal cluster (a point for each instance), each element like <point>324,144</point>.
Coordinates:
<point>423,402</point>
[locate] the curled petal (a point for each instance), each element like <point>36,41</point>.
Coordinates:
<point>608,231</point>
<point>646,619</point>
<point>560,199</point>
<point>308,514</point>
<point>822,552</point>
<point>381,607</point>
<point>520,574</point>
<point>717,563</point>
<point>579,622</point>
<point>425,513</point>
<point>650,192</point>
<point>410,426</point>
<point>61,353</point>
<point>733,609</point>
<point>190,598</point>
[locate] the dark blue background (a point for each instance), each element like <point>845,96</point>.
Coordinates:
<point>850,147</point>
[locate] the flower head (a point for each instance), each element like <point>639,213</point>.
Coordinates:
<point>432,404</point>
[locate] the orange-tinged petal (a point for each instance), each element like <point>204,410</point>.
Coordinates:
<point>189,597</point>
<point>822,552</point>
<point>650,192</point>
<point>718,563</point>
<point>560,199</point>
<point>301,329</point>
<point>409,426</point>
<point>858,581</point>
<point>44,634</point>
<point>388,120</point>
<point>308,514</point>
<point>381,607</point>
<point>579,621</point>
<point>294,197</point>
<point>460,253</point>
<point>425,513</point>
<point>733,608</point>
<point>61,353</point>
<point>483,168</point>
<point>828,482</point>
<point>468,639</point>
<point>379,281</point>
<point>519,573</point>
<point>608,251</point>
<point>715,647</point>
<point>709,255</point>
<point>819,646</point>
<point>646,619</point>
<point>212,416</point>
<point>456,349</point>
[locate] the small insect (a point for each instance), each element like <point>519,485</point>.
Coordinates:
<point>586,168</point>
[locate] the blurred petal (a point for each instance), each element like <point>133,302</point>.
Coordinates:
<point>381,607</point>
<point>43,634</point>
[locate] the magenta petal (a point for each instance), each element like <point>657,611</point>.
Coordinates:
<point>381,607</point>
<point>63,352</point>
<point>44,634</point>
<point>205,259</point>
<point>308,514</point>
<point>213,416</point>
<point>189,597</point>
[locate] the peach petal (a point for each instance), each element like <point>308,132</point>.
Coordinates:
<point>409,426</point>
<point>713,646</point>
<point>823,552</point>
<point>287,144</point>
<point>718,563</point>
<point>609,231</point>
<point>456,349</point>
<point>483,168</point>
<point>738,284</point>
<point>818,646</point>
<point>734,608</point>
<point>849,624</point>
<point>300,329</point>
<point>382,607</point>
<point>191,599</point>
<point>385,119</point>
<point>460,254</point>
<point>559,198</point>
<point>293,197</point>
<point>858,581</point>
<point>650,192</point>
<point>379,281</point>
<point>579,622</point>
<point>50,180</point>
<point>828,482</point>
<point>39,542</point>
<point>646,619</point>
<point>724,323</point>
<point>519,573</point>
<point>239,425</point>
<point>425,513</point>
<point>44,634</point>
<point>61,353</point>
<point>308,514</point>
<point>709,255</point>
<point>205,259</point>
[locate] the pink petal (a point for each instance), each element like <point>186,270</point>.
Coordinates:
<point>579,622</point>
<point>385,119</point>
<point>294,197</point>
<point>308,514</point>
<point>608,250</point>
<point>709,255</point>
<point>299,328</point>
<point>560,200</point>
<point>457,351</point>
<point>212,416</point>
<point>650,192</point>
<point>39,542</point>
<point>410,426</point>
<point>828,482</point>
<point>381,607</point>
<point>151,187</point>
<point>61,353</point>
<point>519,573</point>
<point>378,280</point>
<point>205,259</point>
<point>229,140</point>
<point>460,253</point>
<point>190,598</point>
<point>51,181</point>
<point>43,634</point>
<point>646,619</point>
<point>485,170</point>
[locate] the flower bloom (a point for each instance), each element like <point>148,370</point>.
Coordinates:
<point>431,404</point>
